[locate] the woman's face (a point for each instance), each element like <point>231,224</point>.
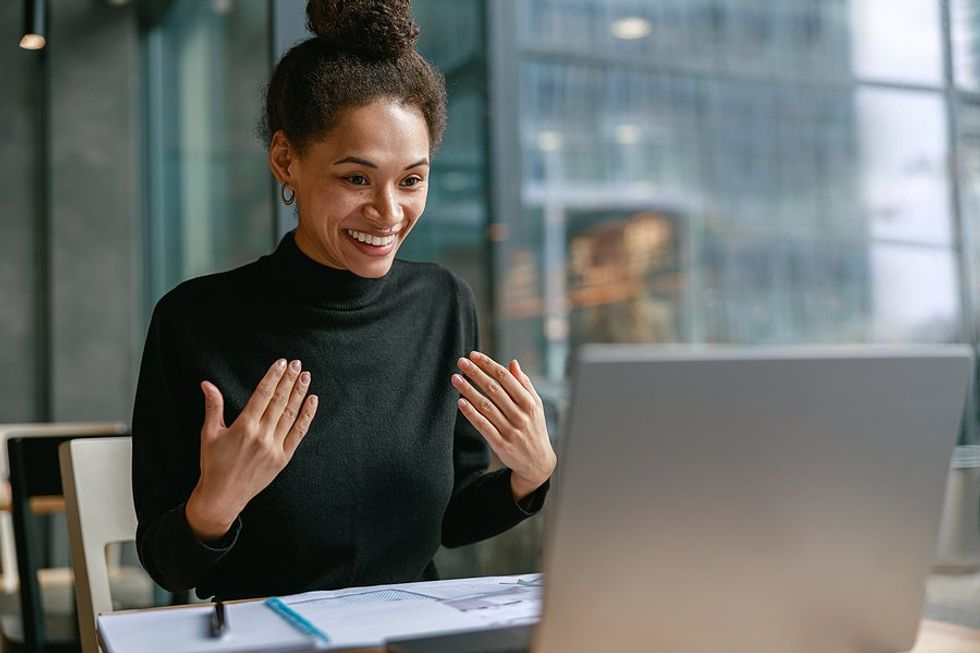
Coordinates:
<point>362,189</point>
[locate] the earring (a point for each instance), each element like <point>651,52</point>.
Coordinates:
<point>287,199</point>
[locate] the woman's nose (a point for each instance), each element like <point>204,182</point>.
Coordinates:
<point>385,209</point>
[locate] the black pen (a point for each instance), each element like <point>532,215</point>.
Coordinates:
<point>219,622</point>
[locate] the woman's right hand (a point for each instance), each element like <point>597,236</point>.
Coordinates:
<point>239,461</point>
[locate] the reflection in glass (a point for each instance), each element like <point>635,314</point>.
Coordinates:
<point>915,294</point>
<point>719,176</point>
<point>969,193</point>
<point>770,38</point>
<point>965,35</point>
<point>452,230</point>
<point>897,41</point>
<point>210,194</point>
<point>903,161</point>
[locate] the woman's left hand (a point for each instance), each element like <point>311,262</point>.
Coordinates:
<point>509,414</point>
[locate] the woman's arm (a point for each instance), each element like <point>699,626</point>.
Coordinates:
<point>485,503</point>
<point>191,482</point>
<point>166,462</point>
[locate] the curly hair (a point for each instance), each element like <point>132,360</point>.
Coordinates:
<point>363,51</point>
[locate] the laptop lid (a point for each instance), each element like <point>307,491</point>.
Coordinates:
<point>750,499</point>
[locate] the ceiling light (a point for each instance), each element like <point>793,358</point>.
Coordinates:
<point>34,19</point>
<point>627,134</point>
<point>631,28</point>
<point>32,41</point>
<point>549,141</point>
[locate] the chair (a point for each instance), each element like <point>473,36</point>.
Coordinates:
<point>8,557</point>
<point>35,474</point>
<point>99,506</point>
<point>30,477</point>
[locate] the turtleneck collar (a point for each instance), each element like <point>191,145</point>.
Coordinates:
<point>297,275</point>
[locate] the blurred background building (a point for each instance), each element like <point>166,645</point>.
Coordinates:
<point>682,171</point>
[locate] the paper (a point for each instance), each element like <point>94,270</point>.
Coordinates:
<point>360,616</point>
<point>371,624</point>
<point>427,607</point>
<point>252,627</point>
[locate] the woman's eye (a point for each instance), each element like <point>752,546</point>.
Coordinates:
<point>412,181</point>
<point>358,180</point>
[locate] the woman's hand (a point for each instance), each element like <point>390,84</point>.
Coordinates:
<point>510,416</point>
<point>239,461</point>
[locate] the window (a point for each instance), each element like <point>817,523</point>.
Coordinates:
<point>209,196</point>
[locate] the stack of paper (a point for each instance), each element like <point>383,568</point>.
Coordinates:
<point>366,616</point>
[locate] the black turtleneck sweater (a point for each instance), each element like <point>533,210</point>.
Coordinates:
<point>389,470</point>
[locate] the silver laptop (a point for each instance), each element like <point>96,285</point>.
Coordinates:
<point>749,499</point>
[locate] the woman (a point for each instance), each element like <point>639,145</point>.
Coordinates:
<point>352,463</point>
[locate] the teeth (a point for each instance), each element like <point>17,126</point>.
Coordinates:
<point>377,241</point>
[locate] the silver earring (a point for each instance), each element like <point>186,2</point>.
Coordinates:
<point>287,199</point>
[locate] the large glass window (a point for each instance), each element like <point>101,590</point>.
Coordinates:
<point>453,229</point>
<point>209,194</point>
<point>724,171</point>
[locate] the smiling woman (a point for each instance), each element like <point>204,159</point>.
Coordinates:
<point>359,192</point>
<point>244,484</point>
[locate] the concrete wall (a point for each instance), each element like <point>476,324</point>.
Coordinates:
<point>94,208</point>
<point>18,159</point>
<point>92,240</point>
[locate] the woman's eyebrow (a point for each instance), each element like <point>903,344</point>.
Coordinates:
<point>357,160</point>
<point>369,164</point>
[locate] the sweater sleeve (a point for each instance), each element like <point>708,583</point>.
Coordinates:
<point>166,463</point>
<point>482,503</point>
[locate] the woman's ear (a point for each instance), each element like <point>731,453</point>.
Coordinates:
<point>282,158</point>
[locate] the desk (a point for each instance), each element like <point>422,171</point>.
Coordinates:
<point>266,629</point>
<point>934,637</point>
<point>937,637</point>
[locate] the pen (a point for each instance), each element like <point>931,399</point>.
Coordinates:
<point>219,622</point>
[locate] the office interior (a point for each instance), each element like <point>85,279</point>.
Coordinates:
<point>759,172</point>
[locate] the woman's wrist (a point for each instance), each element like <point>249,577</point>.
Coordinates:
<point>207,520</point>
<point>522,488</point>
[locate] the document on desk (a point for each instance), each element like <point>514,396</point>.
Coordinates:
<point>252,627</point>
<point>362,616</point>
<point>468,603</point>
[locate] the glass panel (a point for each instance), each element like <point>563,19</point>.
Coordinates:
<point>969,177</point>
<point>905,184</point>
<point>672,207</point>
<point>965,18</point>
<point>897,41</point>
<point>453,229</point>
<point>210,192</point>
<point>916,294</point>
<point>827,40</point>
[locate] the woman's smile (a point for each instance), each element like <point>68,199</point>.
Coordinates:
<point>372,245</point>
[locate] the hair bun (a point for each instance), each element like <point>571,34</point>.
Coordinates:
<point>373,29</point>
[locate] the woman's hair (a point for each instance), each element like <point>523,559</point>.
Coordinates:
<point>363,51</point>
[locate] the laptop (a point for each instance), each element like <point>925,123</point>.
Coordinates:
<point>769,500</point>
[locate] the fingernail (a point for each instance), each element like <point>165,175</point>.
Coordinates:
<point>475,355</point>
<point>295,366</point>
<point>457,379</point>
<point>313,400</point>
<point>461,402</point>
<point>304,378</point>
<point>462,361</point>
<point>517,365</point>
<point>281,363</point>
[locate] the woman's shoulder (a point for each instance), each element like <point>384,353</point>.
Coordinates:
<point>434,278</point>
<point>205,292</point>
